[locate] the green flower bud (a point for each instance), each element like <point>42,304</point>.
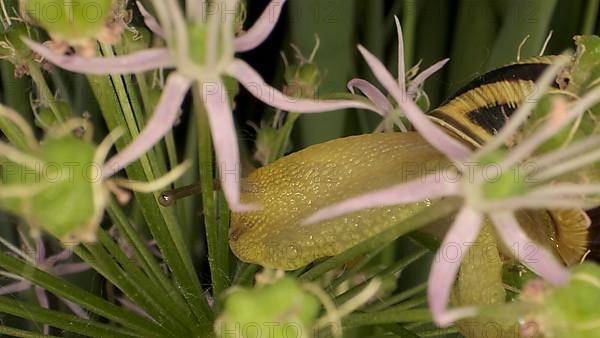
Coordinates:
<point>58,186</point>
<point>277,310</point>
<point>585,70</point>
<point>302,80</point>
<point>13,49</point>
<point>572,311</point>
<point>266,138</point>
<point>46,119</point>
<point>74,22</point>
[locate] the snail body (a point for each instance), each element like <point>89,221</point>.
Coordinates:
<point>295,186</point>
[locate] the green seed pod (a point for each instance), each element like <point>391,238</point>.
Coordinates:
<point>55,188</point>
<point>278,310</point>
<point>75,22</point>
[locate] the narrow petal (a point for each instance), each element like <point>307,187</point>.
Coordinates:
<point>371,92</point>
<point>401,65</point>
<point>261,28</point>
<point>15,287</point>
<point>69,269</point>
<point>446,144</point>
<point>424,75</point>
<point>40,251</point>
<point>133,63</point>
<point>159,124</point>
<point>534,256</point>
<point>42,298</point>
<point>255,84</point>
<point>462,234</point>
<point>150,21</point>
<point>224,137</point>
<point>76,309</point>
<point>410,192</point>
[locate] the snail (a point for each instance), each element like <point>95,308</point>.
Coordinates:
<point>295,186</point>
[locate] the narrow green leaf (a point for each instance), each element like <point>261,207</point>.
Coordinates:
<point>59,320</point>
<point>79,296</point>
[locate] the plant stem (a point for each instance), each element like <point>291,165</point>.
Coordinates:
<point>60,320</point>
<point>283,137</point>
<point>590,17</point>
<point>386,317</point>
<point>44,90</point>
<point>79,296</point>
<point>205,151</point>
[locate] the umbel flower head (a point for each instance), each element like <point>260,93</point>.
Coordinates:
<point>409,87</point>
<point>497,199</point>
<point>56,185</point>
<point>201,48</point>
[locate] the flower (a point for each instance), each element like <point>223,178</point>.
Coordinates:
<point>497,199</point>
<point>201,49</point>
<point>381,104</point>
<point>56,185</point>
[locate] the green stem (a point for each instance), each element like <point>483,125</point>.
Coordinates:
<point>397,298</point>
<point>590,17</point>
<point>143,290</point>
<point>245,274</point>
<point>45,92</point>
<point>215,256</point>
<point>386,317</point>
<point>283,137</point>
<point>162,223</point>
<point>59,320</point>
<point>225,255</point>
<point>147,260</point>
<point>79,296</point>
<point>409,30</point>
<point>5,330</point>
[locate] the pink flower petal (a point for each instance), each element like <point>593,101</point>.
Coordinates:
<point>446,144</point>
<point>401,65</point>
<point>424,75</point>
<point>528,252</point>
<point>461,235</point>
<point>261,28</point>
<point>159,124</point>
<point>150,21</point>
<point>76,309</point>
<point>61,256</point>
<point>133,63</point>
<point>372,93</point>
<point>255,84</point>
<point>69,269</point>
<point>409,192</point>
<point>15,287</point>
<point>40,251</point>
<point>42,298</point>
<point>224,137</point>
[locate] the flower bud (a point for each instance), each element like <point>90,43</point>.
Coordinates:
<point>74,22</point>
<point>278,310</point>
<point>57,188</point>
